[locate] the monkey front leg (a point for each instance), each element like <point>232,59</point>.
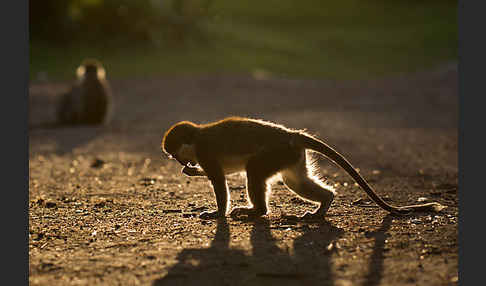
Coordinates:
<point>221,191</point>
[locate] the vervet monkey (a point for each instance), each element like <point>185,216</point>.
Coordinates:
<point>261,149</point>
<point>90,100</point>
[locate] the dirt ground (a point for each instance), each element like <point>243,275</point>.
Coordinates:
<point>107,208</point>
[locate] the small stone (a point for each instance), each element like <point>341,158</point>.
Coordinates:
<point>97,163</point>
<point>50,204</point>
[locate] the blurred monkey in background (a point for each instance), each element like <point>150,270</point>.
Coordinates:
<point>90,100</point>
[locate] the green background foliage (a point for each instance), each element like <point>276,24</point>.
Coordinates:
<point>289,38</point>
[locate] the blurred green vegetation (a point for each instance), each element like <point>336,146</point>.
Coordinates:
<point>289,38</point>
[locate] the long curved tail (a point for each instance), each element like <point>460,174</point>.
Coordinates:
<point>314,144</point>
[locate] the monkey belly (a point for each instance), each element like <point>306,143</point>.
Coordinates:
<point>234,164</point>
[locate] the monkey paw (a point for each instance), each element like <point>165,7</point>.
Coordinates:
<point>312,216</point>
<point>251,212</point>
<point>307,216</point>
<point>210,215</point>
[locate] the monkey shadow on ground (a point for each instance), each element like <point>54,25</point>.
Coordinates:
<point>309,262</point>
<point>375,270</point>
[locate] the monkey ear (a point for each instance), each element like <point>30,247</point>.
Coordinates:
<point>80,71</point>
<point>101,73</point>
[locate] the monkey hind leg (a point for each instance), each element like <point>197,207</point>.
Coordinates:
<point>257,193</point>
<point>258,170</point>
<point>257,189</point>
<point>298,180</point>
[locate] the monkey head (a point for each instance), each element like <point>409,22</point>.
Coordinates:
<point>91,68</point>
<point>178,143</point>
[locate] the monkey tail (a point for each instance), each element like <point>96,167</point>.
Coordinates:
<point>309,142</point>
